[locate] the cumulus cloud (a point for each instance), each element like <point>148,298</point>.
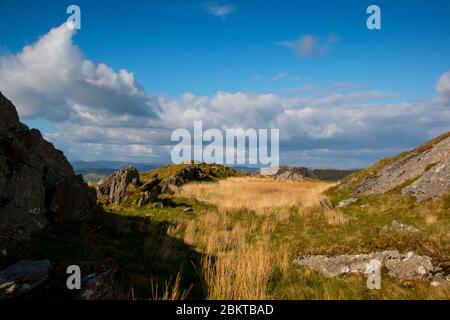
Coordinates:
<point>98,113</point>
<point>310,45</point>
<point>214,8</point>
<point>52,79</point>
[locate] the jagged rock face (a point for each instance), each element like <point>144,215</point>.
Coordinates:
<point>433,183</point>
<point>115,186</point>
<point>37,183</point>
<point>431,168</point>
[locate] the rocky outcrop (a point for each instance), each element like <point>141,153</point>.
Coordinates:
<point>401,267</point>
<point>433,183</point>
<point>192,173</point>
<point>22,277</point>
<point>37,184</point>
<point>298,174</point>
<point>115,186</point>
<point>428,167</point>
<point>123,183</point>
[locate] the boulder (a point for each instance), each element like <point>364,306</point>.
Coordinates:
<point>97,287</point>
<point>401,267</point>
<point>37,183</point>
<point>115,186</point>
<point>149,196</point>
<point>148,186</point>
<point>22,277</point>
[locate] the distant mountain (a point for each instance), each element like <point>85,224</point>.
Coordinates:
<point>92,171</point>
<point>112,165</point>
<point>332,174</point>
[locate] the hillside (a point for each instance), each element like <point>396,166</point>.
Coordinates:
<point>128,187</point>
<point>423,172</point>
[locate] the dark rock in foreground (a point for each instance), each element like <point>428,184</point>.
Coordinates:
<point>37,184</point>
<point>22,277</point>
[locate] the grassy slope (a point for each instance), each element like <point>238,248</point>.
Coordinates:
<point>248,245</point>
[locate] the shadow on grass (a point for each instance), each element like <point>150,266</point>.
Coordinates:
<point>138,251</point>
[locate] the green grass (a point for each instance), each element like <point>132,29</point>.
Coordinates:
<point>214,171</point>
<point>136,245</point>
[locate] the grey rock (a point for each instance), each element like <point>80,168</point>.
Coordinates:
<point>433,183</point>
<point>347,202</point>
<point>37,183</point>
<point>115,186</point>
<point>399,227</point>
<point>189,174</point>
<point>148,186</point>
<point>22,277</point>
<point>149,196</point>
<point>401,267</point>
<point>97,287</point>
<point>439,280</point>
<point>410,266</point>
<point>341,265</point>
<point>298,174</point>
<point>430,184</point>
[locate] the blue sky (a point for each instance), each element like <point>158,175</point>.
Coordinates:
<point>178,47</point>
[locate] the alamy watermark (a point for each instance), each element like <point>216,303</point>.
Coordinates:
<point>74,20</point>
<point>259,147</point>
<point>374,20</point>
<point>373,271</point>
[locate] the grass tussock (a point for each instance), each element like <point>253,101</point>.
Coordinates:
<point>171,290</point>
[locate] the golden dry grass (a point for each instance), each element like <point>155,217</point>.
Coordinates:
<point>171,291</point>
<point>257,193</point>
<point>239,258</point>
<point>236,264</point>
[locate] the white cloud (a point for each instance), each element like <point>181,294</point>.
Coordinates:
<point>99,113</point>
<point>443,86</point>
<point>310,45</point>
<point>52,79</point>
<point>280,76</point>
<point>218,10</point>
